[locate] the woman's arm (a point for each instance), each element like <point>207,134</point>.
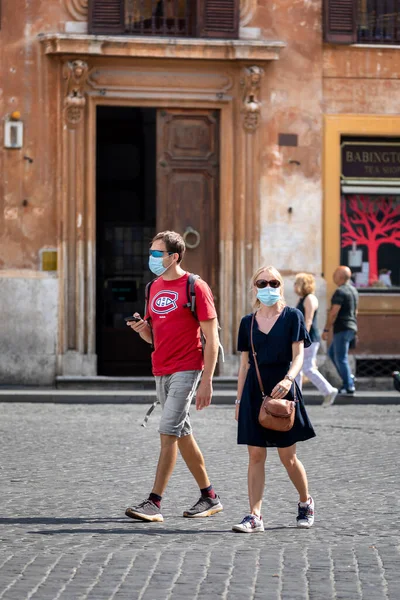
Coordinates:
<point>281,389</point>
<point>297,359</point>
<point>243,368</point>
<point>310,306</point>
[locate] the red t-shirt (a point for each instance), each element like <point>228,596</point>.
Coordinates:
<point>176,332</point>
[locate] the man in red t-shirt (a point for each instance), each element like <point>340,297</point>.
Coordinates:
<point>180,369</point>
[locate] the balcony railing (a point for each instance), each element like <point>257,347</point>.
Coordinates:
<point>171,18</point>
<point>362,21</point>
<point>378,21</point>
<point>159,17</point>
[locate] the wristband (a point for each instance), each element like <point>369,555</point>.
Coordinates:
<point>237,401</point>
<point>326,330</point>
<point>289,377</point>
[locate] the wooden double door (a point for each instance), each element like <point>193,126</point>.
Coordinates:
<point>157,169</point>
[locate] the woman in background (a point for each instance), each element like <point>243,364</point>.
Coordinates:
<point>304,286</point>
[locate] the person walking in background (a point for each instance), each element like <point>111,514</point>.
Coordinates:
<point>304,286</point>
<point>343,317</point>
<point>279,336</point>
<point>178,365</point>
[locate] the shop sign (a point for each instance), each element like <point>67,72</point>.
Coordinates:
<point>370,160</point>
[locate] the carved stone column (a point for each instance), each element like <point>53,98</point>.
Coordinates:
<point>75,359</point>
<point>248,210</point>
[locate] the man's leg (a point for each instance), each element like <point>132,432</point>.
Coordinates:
<point>166,463</point>
<point>342,357</point>
<point>181,392</point>
<point>194,460</point>
<point>332,353</point>
<point>150,509</point>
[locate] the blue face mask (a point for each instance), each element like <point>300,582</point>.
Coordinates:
<point>269,296</point>
<point>156,265</point>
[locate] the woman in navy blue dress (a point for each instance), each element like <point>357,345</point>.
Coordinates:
<point>279,337</point>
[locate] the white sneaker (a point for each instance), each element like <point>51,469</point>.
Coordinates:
<point>329,399</point>
<point>305,517</point>
<point>250,524</point>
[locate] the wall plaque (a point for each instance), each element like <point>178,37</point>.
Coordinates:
<point>370,160</point>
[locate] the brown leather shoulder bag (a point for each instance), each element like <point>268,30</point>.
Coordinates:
<point>275,414</point>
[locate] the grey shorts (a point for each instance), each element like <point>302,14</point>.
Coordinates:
<point>175,393</point>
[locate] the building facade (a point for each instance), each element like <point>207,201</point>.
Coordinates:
<point>264,133</point>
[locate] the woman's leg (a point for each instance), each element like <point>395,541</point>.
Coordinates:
<point>311,371</point>
<point>256,478</point>
<point>295,470</point>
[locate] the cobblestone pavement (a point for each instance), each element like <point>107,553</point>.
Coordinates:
<point>68,472</point>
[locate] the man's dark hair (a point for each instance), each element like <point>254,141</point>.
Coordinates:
<point>173,242</point>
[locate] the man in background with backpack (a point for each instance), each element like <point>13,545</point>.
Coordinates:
<point>180,366</point>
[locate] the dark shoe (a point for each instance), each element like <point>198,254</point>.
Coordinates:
<point>344,392</point>
<point>145,511</point>
<point>204,507</point>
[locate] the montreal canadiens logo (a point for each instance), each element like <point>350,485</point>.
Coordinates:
<point>164,302</point>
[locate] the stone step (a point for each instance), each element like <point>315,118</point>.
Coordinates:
<point>127,383</point>
<point>147,396</point>
<point>220,383</point>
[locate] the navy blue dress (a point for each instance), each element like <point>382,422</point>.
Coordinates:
<point>274,355</point>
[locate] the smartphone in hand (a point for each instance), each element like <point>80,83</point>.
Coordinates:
<point>132,318</point>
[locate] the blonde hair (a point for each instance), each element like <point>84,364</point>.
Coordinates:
<point>275,273</point>
<point>306,283</point>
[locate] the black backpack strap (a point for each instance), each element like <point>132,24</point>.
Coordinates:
<point>146,302</point>
<point>191,293</point>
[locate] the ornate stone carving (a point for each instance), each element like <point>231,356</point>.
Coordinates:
<point>78,9</point>
<point>251,108</point>
<point>76,73</point>
<point>137,82</point>
<point>247,10</point>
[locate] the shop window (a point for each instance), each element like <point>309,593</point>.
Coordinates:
<point>362,21</point>
<point>185,18</point>
<point>370,240</point>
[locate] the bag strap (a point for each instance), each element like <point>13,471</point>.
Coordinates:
<point>256,363</point>
<point>146,302</point>
<point>255,356</point>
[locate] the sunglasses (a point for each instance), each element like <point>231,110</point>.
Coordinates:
<point>159,253</point>
<point>263,283</point>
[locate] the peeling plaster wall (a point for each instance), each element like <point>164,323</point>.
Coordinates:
<point>28,185</point>
<point>290,185</point>
<point>28,327</point>
<point>361,80</point>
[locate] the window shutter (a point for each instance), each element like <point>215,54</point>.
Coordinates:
<point>106,16</point>
<point>340,21</point>
<point>218,18</point>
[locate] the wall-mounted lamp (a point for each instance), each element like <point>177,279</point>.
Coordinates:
<point>13,130</point>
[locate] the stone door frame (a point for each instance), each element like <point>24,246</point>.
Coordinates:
<point>234,90</point>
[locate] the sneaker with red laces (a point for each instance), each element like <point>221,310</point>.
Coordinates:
<point>305,517</point>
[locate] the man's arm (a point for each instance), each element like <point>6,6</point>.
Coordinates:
<point>331,318</point>
<point>205,390</point>
<point>142,328</point>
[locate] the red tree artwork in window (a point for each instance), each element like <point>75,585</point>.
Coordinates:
<point>370,223</point>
